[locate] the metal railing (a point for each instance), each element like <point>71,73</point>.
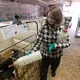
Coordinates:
<point>42,22</point>
<point>23,39</point>
<point>17,76</point>
<point>36,25</point>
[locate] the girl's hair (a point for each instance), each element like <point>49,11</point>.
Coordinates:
<point>56,12</point>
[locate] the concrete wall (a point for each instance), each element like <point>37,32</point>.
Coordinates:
<point>23,10</point>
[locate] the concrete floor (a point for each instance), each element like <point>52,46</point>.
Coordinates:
<point>69,68</point>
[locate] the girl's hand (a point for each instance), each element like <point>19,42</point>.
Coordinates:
<point>51,47</point>
<point>12,65</point>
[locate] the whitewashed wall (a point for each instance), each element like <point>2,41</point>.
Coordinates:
<point>26,10</point>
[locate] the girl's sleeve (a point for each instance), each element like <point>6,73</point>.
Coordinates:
<point>66,44</point>
<point>39,40</point>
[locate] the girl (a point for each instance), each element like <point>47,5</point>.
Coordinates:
<point>51,47</point>
<point>48,35</point>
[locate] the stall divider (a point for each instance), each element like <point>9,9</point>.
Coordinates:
<point>16,69</point>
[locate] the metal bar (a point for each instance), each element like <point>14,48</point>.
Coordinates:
<point>34,22</point>
<point>23,39</point>
<point>4,26</point>
<point>19,50</point>
<point>16,43</point>
<point>23,23</point>
<point>42,22</point>
<point>28,44</point>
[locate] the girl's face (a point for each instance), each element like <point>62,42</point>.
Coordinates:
<point>50,18</point>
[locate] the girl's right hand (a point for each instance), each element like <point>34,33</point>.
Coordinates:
<point>12,65</point>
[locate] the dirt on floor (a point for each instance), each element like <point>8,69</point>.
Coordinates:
<point>69,68</point>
